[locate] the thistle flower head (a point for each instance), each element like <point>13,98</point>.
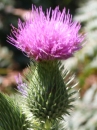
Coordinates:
<point>47,36</point>
<point>21,86</point>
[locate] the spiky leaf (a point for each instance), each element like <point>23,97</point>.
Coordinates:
<point>11,116</point>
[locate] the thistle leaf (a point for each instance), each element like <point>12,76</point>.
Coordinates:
<point>11,116</point>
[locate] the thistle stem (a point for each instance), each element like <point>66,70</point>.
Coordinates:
<point>47,125</point>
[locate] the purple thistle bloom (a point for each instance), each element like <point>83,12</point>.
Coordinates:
<point>22,87</point>
<point>47,36</point>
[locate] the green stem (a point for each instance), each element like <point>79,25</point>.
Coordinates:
<point>47,125</point>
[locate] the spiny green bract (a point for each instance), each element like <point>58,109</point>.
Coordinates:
<point>49,94</point>
<point>11,116</point>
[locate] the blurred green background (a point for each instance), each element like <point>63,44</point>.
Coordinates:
<point>83,64</point>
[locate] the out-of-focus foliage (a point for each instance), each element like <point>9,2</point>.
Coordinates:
<point>5,58</point>
<point>5,64</point>
<point>84,63</point>
<point>85,115</point>
<point>5,19</point>
<point>47,3</point>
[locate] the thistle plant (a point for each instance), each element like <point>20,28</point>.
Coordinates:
<point>46,38</point>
